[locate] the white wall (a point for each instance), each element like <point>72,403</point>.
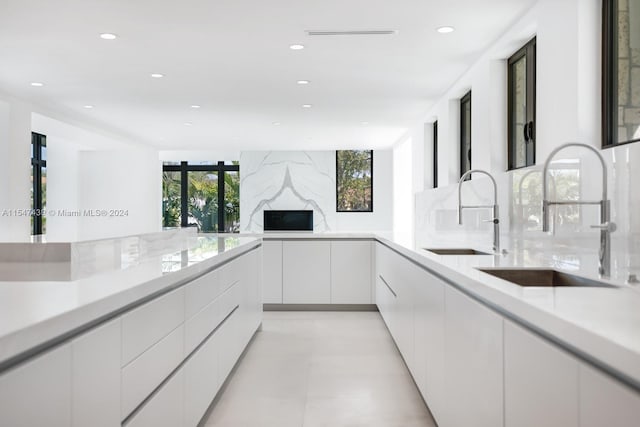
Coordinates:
<point>403,198</point>
<point>306,180</point>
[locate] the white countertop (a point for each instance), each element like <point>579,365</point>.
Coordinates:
<point>600,324</point>
<point>35,312</point>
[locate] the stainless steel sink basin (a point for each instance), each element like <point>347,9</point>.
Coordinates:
<point>455,251</point>
<point>542,277</point>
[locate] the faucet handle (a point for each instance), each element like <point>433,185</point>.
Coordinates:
<point>607,226</point>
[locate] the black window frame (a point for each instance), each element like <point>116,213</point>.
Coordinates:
<point>527,51</point>
<point>435,154</point>
<point>38,141</point>
<point>184,168</point>
<point>610,76</point>
<point>466,98</point>
<point>370,210</point>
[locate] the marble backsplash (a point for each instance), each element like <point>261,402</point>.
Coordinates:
<point>287,180</point>
<point>575,174</point>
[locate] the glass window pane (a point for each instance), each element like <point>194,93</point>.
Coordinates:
<point>519,113</point>
<point>202,200</point>
<point>232,202</point>
<point>171,199</point>
<point>43,192</point>
<point>354,180</point>
<point>465,134</point>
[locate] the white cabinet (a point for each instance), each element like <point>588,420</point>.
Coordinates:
<point>351,272</point>
<point>95,376</point>
<point>473,363</point>
<point>38,393</point>
<point>306,272</point>
<point>429,339</point>
<point>540,382</point>
<point>606,402</point>
<point>201,380</point>
<point>165,408</point>
<point>272,271</point>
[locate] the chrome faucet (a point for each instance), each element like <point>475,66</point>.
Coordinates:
<point>494,208</point>
<point>606,226</point>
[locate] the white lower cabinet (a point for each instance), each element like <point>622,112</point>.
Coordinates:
<point>272,271</point>
<point>306,272</point>
<point>540,381</point>
<point>38,393</point>
<point>95,376</point>
<point>351,272</point>
<point>473,363</point>
<point>606,402</point>
<point>165,408</point>
<point>201,380</point>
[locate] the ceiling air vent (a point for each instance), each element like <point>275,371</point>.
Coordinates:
<point>352,33</point>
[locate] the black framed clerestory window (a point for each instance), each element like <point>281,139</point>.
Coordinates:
<point>205,195</point>
<point>354,181</point>
<point>522,107</point>
<point>39,182</point>
<point>620,72</point>
<point>435,154</point>
<point>465,134</point>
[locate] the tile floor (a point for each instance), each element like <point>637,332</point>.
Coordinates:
<point>312,369</point>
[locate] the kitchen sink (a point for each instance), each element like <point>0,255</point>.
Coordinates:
<point>455,251</point>
<point>541,277</point>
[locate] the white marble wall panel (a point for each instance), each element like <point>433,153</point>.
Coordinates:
<point>287,180</point>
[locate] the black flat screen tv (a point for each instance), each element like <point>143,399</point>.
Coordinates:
<point>288,220</point>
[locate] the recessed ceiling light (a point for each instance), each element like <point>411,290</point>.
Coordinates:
<point>296,47</point>
<point>188,124</point>
<point>195,106</point>
<point>108,36</point>
<point>445,30</point>
<point>306,105</point>
<point>37,84</point>
<point>88,107</point>
<point>303,82</point>
<point>276,123</point>
<point>157,75</point>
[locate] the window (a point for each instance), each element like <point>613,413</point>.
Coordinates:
<point>522,107</point>
<point>354,181</point>
<point>205,195</point>
<point>620,72</point>
<point>39,183</point>
<point>435,154</point>
<point>465,134</point>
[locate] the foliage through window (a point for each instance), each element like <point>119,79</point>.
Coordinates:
<point>354,181</point>
<point>38,183</point>
<point>465,134</point>
<point>203,195</point>
<point>522,106</point>
<point>620,72</point>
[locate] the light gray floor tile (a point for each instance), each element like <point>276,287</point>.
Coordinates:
<point>313,369</point>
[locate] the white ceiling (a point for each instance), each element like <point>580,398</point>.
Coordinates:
<point>232,57</point>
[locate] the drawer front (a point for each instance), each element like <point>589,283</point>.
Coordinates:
<point>199,326</point>
<point>201,292</point>
<point>165,408</point>
<point>148,324</point>
<point>201,380</point>
<point>229,274</point>
<point>229,300</point>
<point>147,372</point>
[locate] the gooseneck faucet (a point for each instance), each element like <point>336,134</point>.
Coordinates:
<point>606,226</point>
<point>494,208</point>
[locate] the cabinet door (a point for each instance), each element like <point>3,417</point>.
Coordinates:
<point>272,271</point>
<point>429,340</point>
<point>541,381</point>
<point>201,380</point>
<point>473,363</point>
<point>96,376</point>
<point>306,272</point>
<point>38,393</point>
<point>351,272</point>
<point>606,402</point>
